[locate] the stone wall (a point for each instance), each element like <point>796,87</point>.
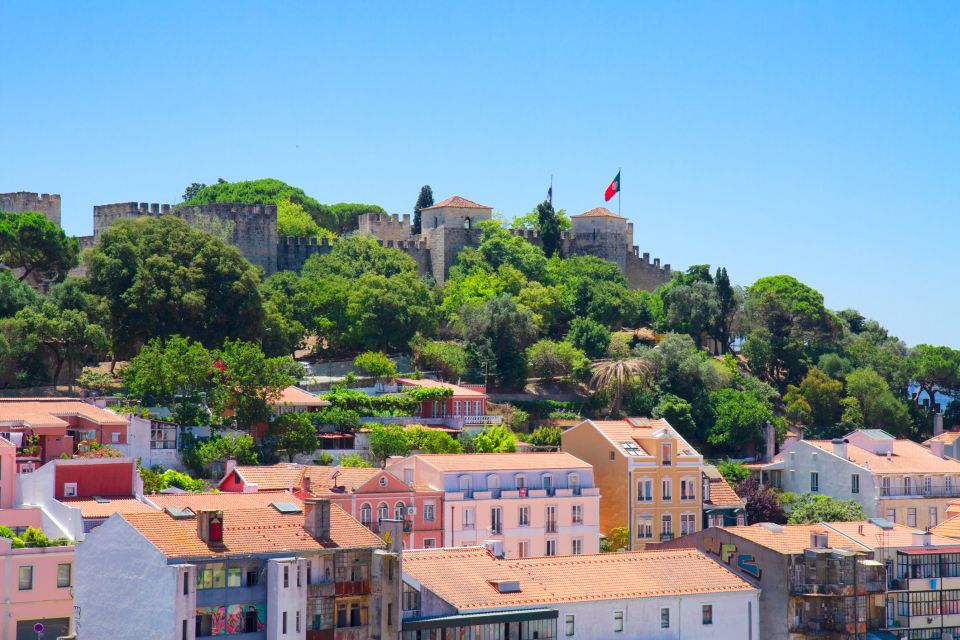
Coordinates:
<point>20,201</point>
<point>386,226</point>
<point>643,274</point>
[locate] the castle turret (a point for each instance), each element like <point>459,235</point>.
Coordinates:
<point>448,227</point>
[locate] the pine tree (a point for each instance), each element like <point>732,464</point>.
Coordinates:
<point>424,200</point>
<point>549,226</point>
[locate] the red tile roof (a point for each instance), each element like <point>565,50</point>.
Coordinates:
<point>91,508</point>
<point>456,202</point>
<point>947,437</point>
<point>49,412</point>
<point>599,212</point>
<point>791,538</point>
<point>464,576</point>
<point>272,478</point>
<point>873,536</point>
<point>723,495</point>
<point>907,457</point>
<point>256,530</point>
<point>222,501</point>
<point>458,391</point>
<point>294,396</point>
<point>503,461</point>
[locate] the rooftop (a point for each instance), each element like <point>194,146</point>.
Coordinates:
<point>275,477</point>
<point>221,501</point>
<point>949,528</point>
<point>50,412</point>
<point>503,461</point>
<point>458,391</point>
<point>723,495</point>
<point>791,539</point>
<point>907,457</point>
<point>464,576</point>
<point>106,506</point>
<point>628,435</point>
<point>871,534</point>
<point>599,212</point>
<point>294,396</point>
<point>456,202</point>
<point>257,530</point>
<point>947,437</point>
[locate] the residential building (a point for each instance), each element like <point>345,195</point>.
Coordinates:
<point>722,507</point>
<point>649,476</point>
<point>470,593</point>
<point>898,480</point>
<point>949,440</point>
<point>282,571</point>
<point>370,495</point>
<point>467,404</point>
<point>815,582</point>
<point>526,504</point>
<point>291,398</point>
<point>43,429</point>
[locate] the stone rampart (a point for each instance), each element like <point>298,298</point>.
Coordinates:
<point>46,203</point>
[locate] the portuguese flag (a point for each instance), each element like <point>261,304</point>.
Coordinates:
<point>613,189</point>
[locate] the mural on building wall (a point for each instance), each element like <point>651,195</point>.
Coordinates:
<point>727,553</point>
<point>231,619</point>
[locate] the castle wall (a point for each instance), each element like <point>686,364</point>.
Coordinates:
<point>445,244</point>
<point>643,274</point>
<point>20,201</point>
<point>386,226</point>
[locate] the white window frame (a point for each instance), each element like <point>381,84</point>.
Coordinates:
<point>576,546</point>
<point>855,483</point>
<point>523,516</point>
<point>569,625</point>
<point>550,547</point>
<point>666,490</point>
<point>618,617</point>
<point>645,524</point>
<point>429,511</point>
<point>645,490</point>
<point>69,489</point>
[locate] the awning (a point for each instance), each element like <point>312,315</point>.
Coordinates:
<point>492,617</point>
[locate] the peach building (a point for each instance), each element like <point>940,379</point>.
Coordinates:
<point>649,476</point>
<point>518,504</point>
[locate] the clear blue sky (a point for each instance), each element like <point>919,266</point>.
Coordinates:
<point>819,139</point>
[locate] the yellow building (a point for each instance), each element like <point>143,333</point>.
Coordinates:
<point>649,476</point>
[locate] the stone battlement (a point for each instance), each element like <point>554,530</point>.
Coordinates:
<point>386,226</point>
<point>19,201</point>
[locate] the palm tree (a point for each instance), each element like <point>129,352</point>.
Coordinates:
<point>616,375</point>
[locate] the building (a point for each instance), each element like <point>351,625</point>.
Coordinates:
<point>949,442</point>
<point>470,593</point>
<point>722,507</point>
<point>649,476</point>
<point>815,582</point>
<point>287,570</point>
<point>526,504</point>
<point>370,495</point>
<point>898,480</point>
<point>467,404</point>
<point>43,429</point>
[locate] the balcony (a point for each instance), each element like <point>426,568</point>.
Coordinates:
<point>352,588</point>
<point>666,536</point>
<point>469,526</point>
<point>551,526</point>
<point>322,590</point>
<point>496,530</point>
<point>935,491</point>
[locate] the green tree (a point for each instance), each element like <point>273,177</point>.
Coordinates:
<point>342,420</point>
<point>447,359</point>
<point>738,419</point>
<point>250,382</point>
<point>934,370</point>
<point>618,539</point>
<point>169,372</point>
<point>677,411</point>
<point>550,360</point>
<point>221,448</point>
<point>879,408</point>
<point>546,436</point>
<point>14,294</point>
<point>693,309</point>
<point>388,440</point>
<point>500,247</point>
<point>294,433</point>
<point>66,335</point>
<point>30,242</point>
<point>293,220</point>
<point>375,364</point>
<point>424,200</point>
<point>192,190</point>
<point>495,439</point>
<point>809,508</point>
<point>550,229</point>
<point>353,460</point>
<point>834,365</point>
<point>499,331</point>
<point>161,277</point>
<point>590,336</point>
<point>729,303</point>
<point>822,394</point>
<point>431,441</point>
<point>95,380</point>
<point>614,377</point>
<point>733,471</point>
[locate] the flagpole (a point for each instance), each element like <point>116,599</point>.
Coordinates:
<point>619,169</point>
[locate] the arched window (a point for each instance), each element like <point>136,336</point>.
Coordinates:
<point>493,485</point>
<point>366,514</point>
<point>573,482</point>
<point>399,511</point>
<point>436,222</point>
<point>467,223</point>
<point>547,483</point>
<point>383,511</point>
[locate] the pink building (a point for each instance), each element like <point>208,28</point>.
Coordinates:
<point>518,504</point>
<point>467,405</point>
<point>370,495</point>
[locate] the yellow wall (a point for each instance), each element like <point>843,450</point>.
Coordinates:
<point>586,443</point>
<point>922,505</point>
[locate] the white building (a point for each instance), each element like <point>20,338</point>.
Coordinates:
<point>647,594</point>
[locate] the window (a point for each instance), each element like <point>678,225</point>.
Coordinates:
<point>551,547</point>
<point>493,485</point>
<point>814,482</point>
<point>456,408</point>
<point>408,476</point>
<point>521,481</point>
<point>183,631</point>
<point>665,490</point>
<point>932,517</point>
<point>383,512</point>
<point>576,514</point>
<point>382,481</point>
<point>524,516</point>
<point>708,614</point>
<point>617,621</point>
<point>885,485</point>
<point>186,583</point>
<point>912,517</point>
<point>551,516</point>
<point>612,455</point>
<point>927,485</point>
<point>428,511</point>
<point>496,520</point>
<point>389,613</point>
<point>892,515</point>
<point>688,490</point>
<point>64,572</point>
<point>688,523</point>
<point>664,618</point>
<point>645,527</point>
<point>211,576</point>
<point>429,543</point>
<point>234,577</point>
<point>69,489</point>
<point>468,519</point>
<point>907,485</point>
<point>366,514</point>
<point>163,435</point>
<point>115,437</point>
<point>286,576</point>
<point>666,526</point>
<point>573,482</point>
<point>399,511</point>
<point>948,485</point>
<point>855,483</point>
<point>667,453</point>
<point>576,546</point>
<point>644,490</point>
<point>548,483</point>
<point>26,577</point>
<point>568,625</point>
<point>296,626</point>
<point>523,549</point>
<point>284,623</point>
<point>741,519</point>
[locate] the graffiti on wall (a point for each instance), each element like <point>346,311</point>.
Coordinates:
<point>234,618</point>
<point>727,552</point>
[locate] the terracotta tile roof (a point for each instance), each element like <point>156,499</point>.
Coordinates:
<point>250,531</point>
<point>49,412</point>
<point>599,212</point>
<point>723,495</point>
<point>791,538</point>
<point>456,202</point>
<point>947,437</point>
<point>873,536</point>
<point>458,392</point>
<point>90,508</point>
<point>635,430</point>
<point>503,461</point>
<point>322,480</point>
<point>222,501</point>
<point>294,396</point>
<point>949,528</point>
<point>462,576</point>
<point>908,457</point>
<point>273,477</point>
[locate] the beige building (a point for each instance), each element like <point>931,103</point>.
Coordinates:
<point>649,477</point>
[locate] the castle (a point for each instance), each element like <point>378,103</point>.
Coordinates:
<point>446,228</point>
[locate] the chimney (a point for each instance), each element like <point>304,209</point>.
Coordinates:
<point>210,526</point>
<point>922,539</point>
<point>316,517</point>
<point>936,448</point>
<point>840,447</point>
<point>770,441</point>
<point>937,424</point>
<point>229,466</point>
<point>395,529</point>
<point>819,540</point>
<point>306,484</point>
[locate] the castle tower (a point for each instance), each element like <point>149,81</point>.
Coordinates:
<point>20,201</point>
<point>602,233</point>
<point>448,227</point>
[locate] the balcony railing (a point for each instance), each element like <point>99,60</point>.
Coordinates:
<point>666,536</point>
<point>496,530</point>
<point>551,526</point>
<point>468,525</point>
<point>322,589</point>
<point>919,491</point>
<point>353,588</point>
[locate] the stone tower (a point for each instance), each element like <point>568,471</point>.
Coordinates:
<point>448,227</point>
<point>20,201</point>
<point>602,233</point>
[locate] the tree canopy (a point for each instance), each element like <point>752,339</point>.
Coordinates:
<point>36,246</point>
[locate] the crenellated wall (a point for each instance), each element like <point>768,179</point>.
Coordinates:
<point>386,226</point>
<point>46,203</point>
